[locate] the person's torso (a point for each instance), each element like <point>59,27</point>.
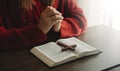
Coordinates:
<point>15,17</point>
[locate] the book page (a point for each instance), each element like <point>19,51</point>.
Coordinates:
<point>82,48</point>
<point>51,54</point>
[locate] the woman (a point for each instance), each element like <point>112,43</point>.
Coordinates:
<point>27,23</point>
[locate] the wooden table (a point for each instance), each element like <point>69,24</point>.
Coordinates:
<point>104,38</point>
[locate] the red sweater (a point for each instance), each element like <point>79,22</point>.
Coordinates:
<point>18,28</point>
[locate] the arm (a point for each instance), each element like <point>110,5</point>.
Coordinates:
<point>29,36</point>
<point>20,38</point>
<point>74,22</point>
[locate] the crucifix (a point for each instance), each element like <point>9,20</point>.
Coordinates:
<point>67,47</point>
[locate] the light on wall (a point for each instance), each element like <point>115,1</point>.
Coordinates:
<point>111,15</point>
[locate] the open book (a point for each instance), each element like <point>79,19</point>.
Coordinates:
<point>51,53</point>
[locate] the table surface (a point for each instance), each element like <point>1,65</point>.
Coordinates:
<point>102,37</point>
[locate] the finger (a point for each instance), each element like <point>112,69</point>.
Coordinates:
<point>46,10</point>
<point>57,22</point>
<point>57,26</point>
<point>52,11</point>
<point>49,8</point>
<point>56,17</point>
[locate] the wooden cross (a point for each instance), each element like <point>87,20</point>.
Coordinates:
<point>66,47</point>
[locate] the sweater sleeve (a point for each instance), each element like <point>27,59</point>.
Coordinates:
<point>20,38</point>
<point>74,22</point>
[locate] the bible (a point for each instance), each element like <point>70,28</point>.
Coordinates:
<point>62,51</point>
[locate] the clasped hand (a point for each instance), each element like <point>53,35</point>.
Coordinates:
<point>50,19</point>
